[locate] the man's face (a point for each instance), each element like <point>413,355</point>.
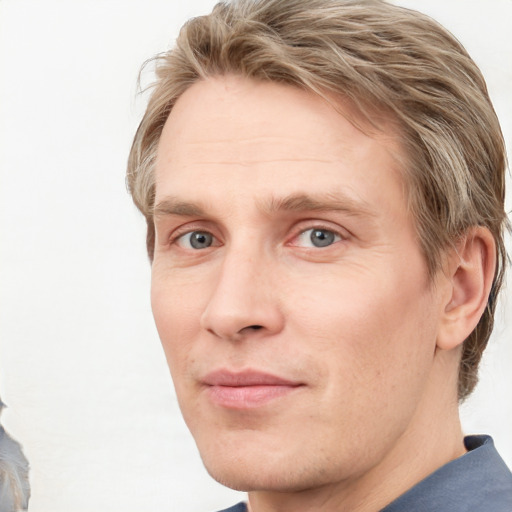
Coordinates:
<point>288,287</point>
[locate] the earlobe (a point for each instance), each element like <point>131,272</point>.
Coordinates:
<point>470,271</point>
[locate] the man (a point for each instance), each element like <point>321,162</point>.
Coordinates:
<point>323,184</point>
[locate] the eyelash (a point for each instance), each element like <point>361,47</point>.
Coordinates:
<point>187,230</point>
<point>338,235</point>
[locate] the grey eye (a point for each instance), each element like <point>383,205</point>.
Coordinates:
<point>318,237</point>
<point>199,239</point>
<point>322,237</point>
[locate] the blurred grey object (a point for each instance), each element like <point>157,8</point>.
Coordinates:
<point>14,484</point>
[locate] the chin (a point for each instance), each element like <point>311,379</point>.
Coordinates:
<point>241,477</point>
<point>234,479</point>
<point>264,469</point>
<point>239,467</point>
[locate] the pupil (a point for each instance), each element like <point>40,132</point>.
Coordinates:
<point>200,240</point>
<point>321,238</point>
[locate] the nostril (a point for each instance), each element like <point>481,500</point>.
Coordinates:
<point>255,327</point>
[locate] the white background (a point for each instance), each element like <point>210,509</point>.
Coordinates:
<point>81,367</point>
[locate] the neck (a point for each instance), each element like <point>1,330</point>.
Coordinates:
<point>433,438</point>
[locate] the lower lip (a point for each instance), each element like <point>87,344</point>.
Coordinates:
<point>247,397</point>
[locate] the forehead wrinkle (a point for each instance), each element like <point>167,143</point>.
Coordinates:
<point>213,153</point>
<point>246,142</point>
<point>236,138</point>
<point>251,150</point>
<point>244,162</point>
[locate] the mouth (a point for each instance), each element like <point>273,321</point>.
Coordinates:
<point>247,389</point>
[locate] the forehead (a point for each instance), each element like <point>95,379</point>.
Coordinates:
<point>232,130</point>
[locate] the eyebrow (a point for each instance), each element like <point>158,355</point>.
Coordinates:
<point>325,202</point>
<point>293,203</point>
<point>173,206</point>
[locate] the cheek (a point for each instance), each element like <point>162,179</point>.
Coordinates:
<point>370,333</point>
<point>176,319</point>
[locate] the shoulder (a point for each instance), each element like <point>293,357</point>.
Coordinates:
<point>240,507</point>
<point>479,481</point>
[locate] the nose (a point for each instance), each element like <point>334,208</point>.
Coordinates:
<point>244,302</point>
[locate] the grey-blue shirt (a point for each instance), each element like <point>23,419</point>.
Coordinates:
<point>479,481</point>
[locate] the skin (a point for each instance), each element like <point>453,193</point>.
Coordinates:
<point>371,345</point>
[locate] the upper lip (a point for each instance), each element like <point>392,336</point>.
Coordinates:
<point>245,378</point>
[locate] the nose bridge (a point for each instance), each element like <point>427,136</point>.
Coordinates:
<point>243,296</point>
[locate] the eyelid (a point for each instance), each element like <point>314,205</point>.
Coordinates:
<point>302,227</point>
<point>188,228</point>
<point>321,225</point>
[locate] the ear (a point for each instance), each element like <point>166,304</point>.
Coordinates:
<point>470,272</point>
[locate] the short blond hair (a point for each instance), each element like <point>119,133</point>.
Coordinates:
<point>373,55</point>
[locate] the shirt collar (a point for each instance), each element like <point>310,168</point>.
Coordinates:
<point>479,480</point>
